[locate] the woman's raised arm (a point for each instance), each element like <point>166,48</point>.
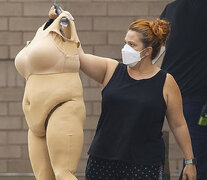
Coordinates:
<point>98,68</point>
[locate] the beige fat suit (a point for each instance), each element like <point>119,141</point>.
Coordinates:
<point>53,101</point>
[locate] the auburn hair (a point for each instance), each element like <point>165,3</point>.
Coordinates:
<point>155,33</point>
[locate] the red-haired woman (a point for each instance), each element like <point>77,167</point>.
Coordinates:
<point>136,96</point>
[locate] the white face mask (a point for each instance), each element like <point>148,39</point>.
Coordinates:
<point>130,56</point>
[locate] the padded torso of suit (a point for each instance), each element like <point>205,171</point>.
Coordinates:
<point>50,65</point>
<point>49,51</point>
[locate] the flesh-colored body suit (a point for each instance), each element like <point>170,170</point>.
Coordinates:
<point>53,101</point>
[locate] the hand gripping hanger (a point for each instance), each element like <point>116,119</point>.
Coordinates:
<point>64,21</point>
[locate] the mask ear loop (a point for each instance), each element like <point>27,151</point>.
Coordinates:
<point>141,52</point>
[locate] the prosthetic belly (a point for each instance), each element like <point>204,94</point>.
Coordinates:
<point>50,64</point>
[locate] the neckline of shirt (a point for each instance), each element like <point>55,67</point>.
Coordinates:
<point>139,80</point>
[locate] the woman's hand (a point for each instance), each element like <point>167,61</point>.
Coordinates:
<point>189,172</point>
<point>52,13</point>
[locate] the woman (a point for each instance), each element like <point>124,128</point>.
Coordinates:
<point>136,96</point>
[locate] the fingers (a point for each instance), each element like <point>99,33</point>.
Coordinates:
<point>189,176</point>
<point>52,8</point>
<point>61,9</point>
<point>52,13</point>
<point>184,176</point>
<point>193,177</point>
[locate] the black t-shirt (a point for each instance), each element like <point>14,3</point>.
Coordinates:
<point>186,48</point>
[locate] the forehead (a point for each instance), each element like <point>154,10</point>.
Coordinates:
<point>133,36</point>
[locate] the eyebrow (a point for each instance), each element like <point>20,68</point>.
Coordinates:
<point>130,42</point>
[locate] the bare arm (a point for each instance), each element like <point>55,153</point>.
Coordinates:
<point>98,68</point>
<point>178,124</point>
<point>176,118</point>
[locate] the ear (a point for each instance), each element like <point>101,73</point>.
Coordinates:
<point>148,51</point>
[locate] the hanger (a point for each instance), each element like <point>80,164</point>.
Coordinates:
<point>64,21</point>
<point>58,11</point>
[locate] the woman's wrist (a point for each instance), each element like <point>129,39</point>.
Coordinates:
<point>188,157</point>
<point>188,154</point>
